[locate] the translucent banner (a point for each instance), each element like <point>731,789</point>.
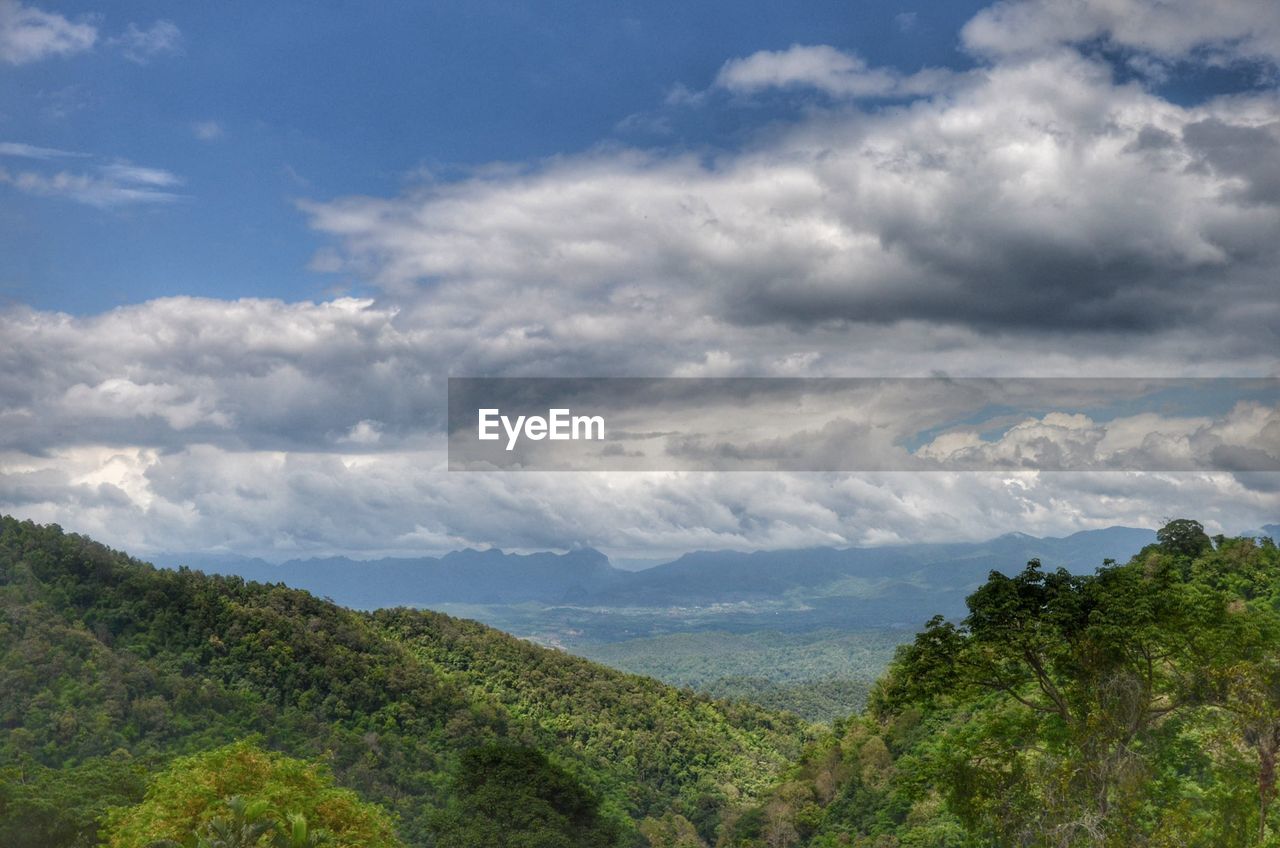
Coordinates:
<point>864,424</point>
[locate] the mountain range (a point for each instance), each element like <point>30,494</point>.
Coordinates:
<point>585,577</point>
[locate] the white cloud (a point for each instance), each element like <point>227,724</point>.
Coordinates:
<point>28,34</point>
<point>119,398</point>
<point>284,504</point>
<point>363,432</point>
<point>249,373</point>
<point>186,423</point>
<point>1034,217</point>
<point>827,69</point>
<point>162,38</point>
<point>124,173</point>
<point>106,185</point>
<point>1039,196</point>
<point>109,186</point>
<point>207,130</point>
<point>1219,31</point>
<point>1249,433</point>
<point>31,151</point>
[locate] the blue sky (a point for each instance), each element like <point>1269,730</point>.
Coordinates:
<point>302,100</point>
<point>366,199</point>
<point>256,106</point>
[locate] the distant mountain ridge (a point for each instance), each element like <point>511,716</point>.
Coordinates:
<point>892,574</point>
<point>468,576</point>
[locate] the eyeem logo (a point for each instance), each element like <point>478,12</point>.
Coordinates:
<point>559,425</point>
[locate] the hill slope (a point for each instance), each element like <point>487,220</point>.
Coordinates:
<point>1135,706</point>
<point>108,665</point>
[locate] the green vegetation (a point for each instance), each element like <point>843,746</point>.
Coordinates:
<point>503,794</point>
<point>109,669</point>
<point>644,745</point>
<point>1136,706</point>
<point>243,796</point>
<point>820,675</point>
<point>823,700</point>
<point>1139,706</point>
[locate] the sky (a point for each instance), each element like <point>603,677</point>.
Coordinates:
<point>243,246</point>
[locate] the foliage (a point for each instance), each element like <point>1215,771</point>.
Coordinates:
<point>42,806</point>
<point>239,796</point>
<point>512,797</point>
<point>820,675</point>
<point>104,657</point>
<point>643,745</point>
<point>1138,706</point>
<point>1135,706</point>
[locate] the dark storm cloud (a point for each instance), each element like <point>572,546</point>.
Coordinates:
<point>1245,152</point>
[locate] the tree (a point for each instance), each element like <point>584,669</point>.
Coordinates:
<point>1184,537</point>
<point>1087,666</point>
<point>294,832</point>
<point>506,796</point>
<point>240,796</point>
<point>671,831</point>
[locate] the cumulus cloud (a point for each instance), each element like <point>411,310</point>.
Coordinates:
<point>1248,437</point>
<point>247,374</point>
<point>1031,199</point>
<point>826,69</point>
<point>1180,30</point>
<point>28,34</point>
<point>185,424</point>
<point>363,432</point>
<point>1037,215</point>
<point>284,504</point>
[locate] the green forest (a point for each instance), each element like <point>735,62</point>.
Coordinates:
<point>150,708</point>
<point>820,675</point>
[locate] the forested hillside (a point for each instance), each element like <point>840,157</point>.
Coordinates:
<point>1135,706</point>
<point>1138,706</point>
<point>821,675</point>
<point>109,668</point>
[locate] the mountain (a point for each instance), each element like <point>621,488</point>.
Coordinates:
<point>904,582</point>
<point>110,668</point>
<point>717,577</point>
<point>467,576</point>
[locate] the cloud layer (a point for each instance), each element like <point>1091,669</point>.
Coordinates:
<point>1047,212</point>
<point>1222,31</point>
<point>1040,196</point>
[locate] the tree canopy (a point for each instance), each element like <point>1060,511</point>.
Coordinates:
<point>240,796</point>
